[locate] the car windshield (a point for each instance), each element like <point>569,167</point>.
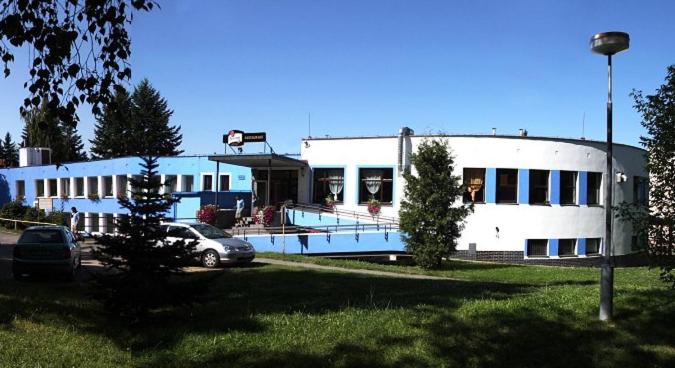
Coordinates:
<point>42,237</point>
<point>210,232</point>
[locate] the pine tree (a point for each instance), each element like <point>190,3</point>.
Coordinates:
<point>143,263</point>
<point>430,221</point>
<point>112,131</point>
<point>137,125</point>
<point>73,146</point>
<point>9,152</point>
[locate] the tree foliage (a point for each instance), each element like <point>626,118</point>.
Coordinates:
<point>9,152</point>
<point>658,118</point>
<point>136,125</point>
<point>78,50</point>
<point>43,129</point>
<point>430,218</point>
<point>143,265</point>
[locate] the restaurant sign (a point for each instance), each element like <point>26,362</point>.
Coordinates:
<point>238,138</point>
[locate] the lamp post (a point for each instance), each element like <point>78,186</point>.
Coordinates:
<point>608,43</point>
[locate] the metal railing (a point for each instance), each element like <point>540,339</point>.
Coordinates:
<point>356,215</point>
<point>17,222</point>
<point>294,229</point>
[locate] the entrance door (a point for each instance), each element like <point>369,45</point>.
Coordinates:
<point>283,186</point>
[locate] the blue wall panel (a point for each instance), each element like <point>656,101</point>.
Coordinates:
<point>581,247</point>
<point>552,247</point>
<point>583,187</point>
<point>523,186</point>
<point>302,218</point>
<point>555,186</point>
<point>490,185</point>
<point>328,243</point>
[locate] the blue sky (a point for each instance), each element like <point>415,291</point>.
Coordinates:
<point>370,67</point>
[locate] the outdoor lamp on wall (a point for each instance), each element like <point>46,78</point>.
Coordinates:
<point>608,43</point>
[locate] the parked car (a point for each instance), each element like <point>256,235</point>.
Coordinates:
<point>214,246</point>
<point>46,249</point>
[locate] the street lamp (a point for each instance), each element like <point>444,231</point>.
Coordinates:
<point>608,43</point>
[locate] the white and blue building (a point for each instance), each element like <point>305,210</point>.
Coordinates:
<point>535,198</point>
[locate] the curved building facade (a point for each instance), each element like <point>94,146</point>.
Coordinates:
<point>534,197</point>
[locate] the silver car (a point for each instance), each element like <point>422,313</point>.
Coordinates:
<point>214,246</point>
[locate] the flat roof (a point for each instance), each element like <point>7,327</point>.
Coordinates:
<point>558,139</point>
<point>259,160</point>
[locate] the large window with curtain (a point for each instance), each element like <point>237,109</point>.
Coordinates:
<point>376,183</point>
<point>474,185</point>
<point>328,182</point>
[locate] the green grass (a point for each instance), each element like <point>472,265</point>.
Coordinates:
<point>286,317</point>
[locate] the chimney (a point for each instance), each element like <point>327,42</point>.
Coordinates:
<point>494,131</point>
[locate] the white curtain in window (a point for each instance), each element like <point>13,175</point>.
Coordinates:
<point>373,180</point>
<point>335,182</point>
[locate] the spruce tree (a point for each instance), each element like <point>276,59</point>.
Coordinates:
<point>73,146</point>
<point>150,116</point>
<point>431,221</point>
<point>42,129</point>
<point>113,132</point>
<point>9,152</point>
<point>136,125</point>
<point>142,266</point>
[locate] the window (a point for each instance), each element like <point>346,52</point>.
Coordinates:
<point>79,187</point>
<point>188,183</point>
<point>566,247</point>
<point>53,188</point>
<point>640,190</point>
<point>224,184</point>
<point>92,184</point>
<point>568,187</point>
<point>207,182</point>
<point>328,182</point>
<point>181,232</point>
<point>474,182</point>
<point>108,186</point>
<point>65,187</point>
<point>170,183</point>
<point>507,185</point>
<point>20,189</point>
<point>592,246</point>
<point>537,247</point>
<point>377,184</point>
<point>40,188</point>
<point>93,222</point>
<point>539,186</point>
<point>593,190</point>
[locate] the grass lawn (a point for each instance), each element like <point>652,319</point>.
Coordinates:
<point>273,316</point>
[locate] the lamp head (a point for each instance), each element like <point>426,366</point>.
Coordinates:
<point>609,43</point>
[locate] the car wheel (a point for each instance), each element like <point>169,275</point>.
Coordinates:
<point>210,258</point>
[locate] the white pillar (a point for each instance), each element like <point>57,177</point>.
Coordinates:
<point>45,188</point>
<point>87,219</point>
<point>102,223</point>
<point>179,183</point>
<point>129,177</point>
<point>101,186</point>
<point>114,186</point>
<point>59,189</point>
<point>116,217</point>
<point>85,184</point>
<point>161,187</point>
<point>73,187</point>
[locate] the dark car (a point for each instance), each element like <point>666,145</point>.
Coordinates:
<point>46,249</point>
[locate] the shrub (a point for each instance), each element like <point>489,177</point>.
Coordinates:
<point>58,218</point>
<point>12,210</point>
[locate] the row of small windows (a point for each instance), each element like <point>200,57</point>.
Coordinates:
<point>104,186</point>
<point>565,247</point>
<point>539,186</point>
<point>374,183</point>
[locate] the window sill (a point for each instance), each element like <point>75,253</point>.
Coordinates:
<point>381,204</point>
<point>540,204</point>
<point>595,205</point>
<point>593,255</point>
<point>507,203</point>
<point>569,205</point>
<point>568,256</point>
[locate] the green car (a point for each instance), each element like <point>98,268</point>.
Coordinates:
<point>46,249</point>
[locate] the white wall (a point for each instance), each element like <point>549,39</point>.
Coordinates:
<point>516,222</point>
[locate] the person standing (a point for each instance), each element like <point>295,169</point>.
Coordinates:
<point>74,219</point>
<point>238,211</point>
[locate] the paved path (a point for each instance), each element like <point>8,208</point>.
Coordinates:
<point>350,270</point>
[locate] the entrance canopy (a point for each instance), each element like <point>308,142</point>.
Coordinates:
<point>263,160</point>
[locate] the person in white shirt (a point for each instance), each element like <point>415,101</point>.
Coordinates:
<point>74,219</point>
